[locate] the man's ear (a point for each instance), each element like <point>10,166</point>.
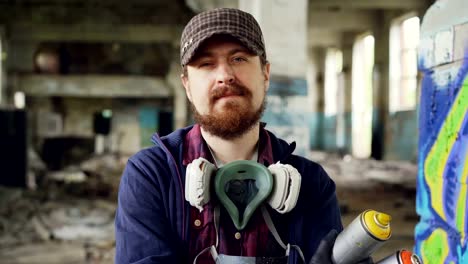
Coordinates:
<point>186,85</point>
<point>266,75</point>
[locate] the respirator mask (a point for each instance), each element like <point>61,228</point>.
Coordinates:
<point>243,186</point>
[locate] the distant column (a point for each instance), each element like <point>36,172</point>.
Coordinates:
<point>380,86</point>
<point>345,131</point>
<point>316,96</point>
<point>2,66</point>
<point>181,104</point>
<point>284,25</point>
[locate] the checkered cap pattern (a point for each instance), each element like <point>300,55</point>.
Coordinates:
<point>234,22</point>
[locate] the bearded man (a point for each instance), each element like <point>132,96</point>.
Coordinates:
<point>226,78</point>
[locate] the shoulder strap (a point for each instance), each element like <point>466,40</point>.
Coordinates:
<point>274,232</point>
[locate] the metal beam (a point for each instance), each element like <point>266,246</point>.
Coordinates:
<point>93,86</point>
<point>198,6</point>
<point>342,20</point>
<point>368,4</point>
<point>96,33</point>
<point>323,38</point>
<point>152,3</point>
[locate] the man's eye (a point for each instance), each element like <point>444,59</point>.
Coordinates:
<point>205,64</point>
<point>239,59</point>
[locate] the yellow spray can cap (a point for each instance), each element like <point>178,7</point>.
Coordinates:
<point>377,223</point>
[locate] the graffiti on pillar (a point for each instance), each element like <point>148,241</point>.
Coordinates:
<point>441,234</point>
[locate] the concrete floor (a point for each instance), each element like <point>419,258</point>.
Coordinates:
<point>393,200</point>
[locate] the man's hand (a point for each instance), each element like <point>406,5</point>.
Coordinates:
<point>325,248</point>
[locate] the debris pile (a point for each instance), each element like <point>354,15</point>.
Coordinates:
<point>365,173</point>
<point>73,208</point>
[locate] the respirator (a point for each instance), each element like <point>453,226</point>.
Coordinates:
<point>242,186</point>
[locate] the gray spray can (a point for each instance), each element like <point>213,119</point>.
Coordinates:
<point>365,234</point>
<point>401,257</point>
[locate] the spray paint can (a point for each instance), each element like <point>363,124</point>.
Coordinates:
<point>401,257</point>
<point>365,234</point>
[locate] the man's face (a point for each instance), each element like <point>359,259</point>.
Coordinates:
<point>226,85</point>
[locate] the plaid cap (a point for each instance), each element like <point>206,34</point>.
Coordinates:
<point>230,21</point>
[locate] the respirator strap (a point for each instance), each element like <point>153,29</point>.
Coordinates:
<point>274,232</point>
<point>216,223</point>
<point>203,251</point>
<point>212,248</point>
<point>271,226</point>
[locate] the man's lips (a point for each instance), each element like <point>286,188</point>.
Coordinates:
<point>227,95</point>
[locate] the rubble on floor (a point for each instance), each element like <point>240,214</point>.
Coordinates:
<point>365,173</point>
<point>71,210</point>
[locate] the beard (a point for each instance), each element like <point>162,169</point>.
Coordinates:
<point>235,119</point>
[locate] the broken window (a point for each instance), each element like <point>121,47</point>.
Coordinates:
<point>333,67</point>
<point>404,38</point>
<point>362,77</point>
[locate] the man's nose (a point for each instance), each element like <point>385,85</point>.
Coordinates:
<point>225,74</point>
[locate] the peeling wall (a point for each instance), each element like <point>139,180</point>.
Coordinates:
<point>329,133</point>
<point>325,135</point>
<point>285,115</point>
<point>402,136</point>
<point>129,132</point>
<point>441,234</point>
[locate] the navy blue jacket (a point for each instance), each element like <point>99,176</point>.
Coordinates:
<point>152,218</point>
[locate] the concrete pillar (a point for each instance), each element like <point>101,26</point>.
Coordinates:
<point>441,234</point>
<point>316,98</point>
<point>180,101</point>
<point>284,25</point>
<point>3,55</point>
<point>380,92</point>
<point>346,79</point>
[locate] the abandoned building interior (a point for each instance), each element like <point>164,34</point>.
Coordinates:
<point>373,90</point>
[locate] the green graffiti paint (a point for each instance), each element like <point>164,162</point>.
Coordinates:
<point>437,158</point>
<point>435,247</point>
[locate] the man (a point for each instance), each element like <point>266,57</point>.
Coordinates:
<point>226,77</point>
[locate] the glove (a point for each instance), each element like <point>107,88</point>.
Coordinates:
<point>367,260</point>
<point>324,251</point>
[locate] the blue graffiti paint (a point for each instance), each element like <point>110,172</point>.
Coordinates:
<point>436,102</point>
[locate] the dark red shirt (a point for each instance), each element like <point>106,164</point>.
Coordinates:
<point>253,239</point>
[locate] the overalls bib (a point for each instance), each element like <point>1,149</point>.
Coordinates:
<point>227,259</point>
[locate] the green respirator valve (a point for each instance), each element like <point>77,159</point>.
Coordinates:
<point>260,179</point>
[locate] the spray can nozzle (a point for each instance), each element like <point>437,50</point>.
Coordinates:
<point>383,219</point>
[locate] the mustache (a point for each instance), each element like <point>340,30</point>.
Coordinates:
<point>232,89</point>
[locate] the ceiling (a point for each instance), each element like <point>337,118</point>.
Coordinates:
<point>163,20</point>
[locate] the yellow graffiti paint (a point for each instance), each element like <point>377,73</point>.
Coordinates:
<point>435,248</point>
<point>437,158</point>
